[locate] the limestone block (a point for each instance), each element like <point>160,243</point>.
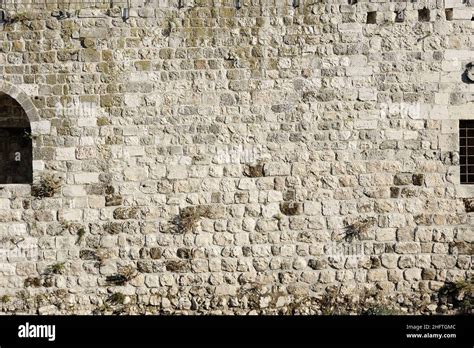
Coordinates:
<point>407,248</point>
<point>389,260</point>
<point>365,124</point>
<point>66,154</point>
<point>176,172</point>
<point>330,208</point>
<point>135,174</point>
<point>412,274</point>
<point>40,127</point>
<point>377,275</point>
<point>463,13</point>
<point>277,169</point>
<point>86,178</point>
<point>312,208</point>
<point>70,215</point>
<point>133,151</point>
<point>449,142</point>
<point>4,203</point>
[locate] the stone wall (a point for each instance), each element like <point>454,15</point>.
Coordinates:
<point>210,159</point>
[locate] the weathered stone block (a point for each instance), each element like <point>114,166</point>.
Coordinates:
<point>277,169</point>
<point>126,213</point>
<point>403,179</point>
<point>66,154</point>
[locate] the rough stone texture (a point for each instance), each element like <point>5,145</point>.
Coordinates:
<point>215,160</point>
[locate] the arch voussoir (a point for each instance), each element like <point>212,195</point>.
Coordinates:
<point>22,98</point>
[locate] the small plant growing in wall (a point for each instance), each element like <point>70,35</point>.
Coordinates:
<point>114,304</point>
<point>189,217</point>
<point>116,298</point>
<point>291,208</point>
<point>358,228</point>
<point>469,205</point>
<point>80,234</point>
<point>27,135</point>
<point>5,299</point>
<point>124,275</point>
<point>16,17</point>
<point>254,171</point>
<point>459,294</point>
<point>177,265</point>
<point>57,268</point>
<point>32,282</point>
<point>47,186</point>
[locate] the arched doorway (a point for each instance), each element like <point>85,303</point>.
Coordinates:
<point>16,149</point>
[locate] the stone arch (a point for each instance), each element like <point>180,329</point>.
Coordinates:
<point>22,99</point>
<point>18,116</point>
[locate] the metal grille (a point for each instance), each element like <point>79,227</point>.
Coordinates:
<point>466,150</point>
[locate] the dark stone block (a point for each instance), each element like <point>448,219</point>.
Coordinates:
<point>291,208</point>
<point>469,205</point>
<point>317,264</point>
<point>418,179</point>
<point>394,192</point>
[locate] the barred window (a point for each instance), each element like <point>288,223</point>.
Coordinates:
<point>466,151</point>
